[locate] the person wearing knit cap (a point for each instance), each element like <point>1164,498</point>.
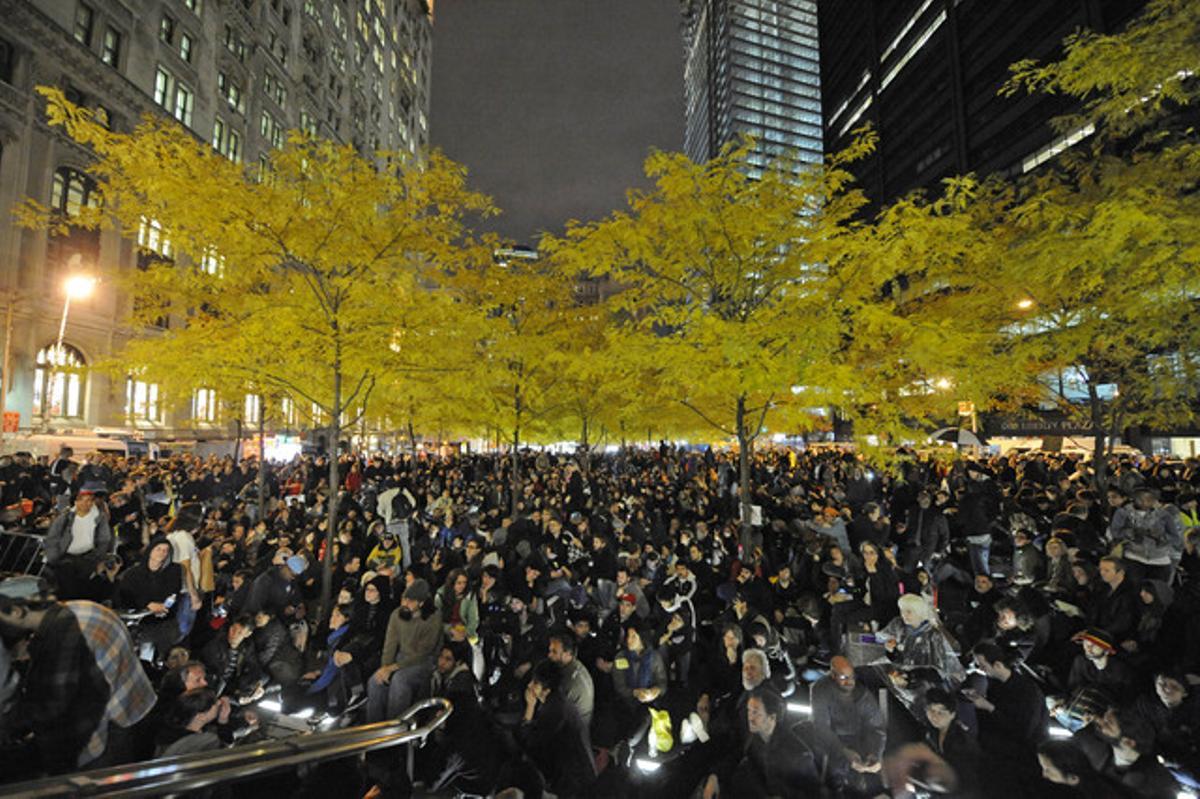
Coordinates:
<point>410,646</point>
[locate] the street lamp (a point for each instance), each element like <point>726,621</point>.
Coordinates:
<point>76,287</point>
<point>1024,304</point>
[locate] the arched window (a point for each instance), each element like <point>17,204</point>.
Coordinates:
<point>72,191</point>
<point>59,380</point>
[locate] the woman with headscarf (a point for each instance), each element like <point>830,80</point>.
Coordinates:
<point>154,585</point>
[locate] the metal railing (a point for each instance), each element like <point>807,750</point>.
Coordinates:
<point>21,552</point>
<point>205,769</point>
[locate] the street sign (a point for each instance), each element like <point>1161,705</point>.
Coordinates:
<point>12,421</point>
<point>966,408</point>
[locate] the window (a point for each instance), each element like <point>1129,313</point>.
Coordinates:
<point>211,263</point>
<point>232,93</point>
<point>234,150</point>
<point>184,100</point>
<point>111,52</point>
<point>185,47</point>
<point>141,401</point>
<point>152,237</point>
<point>234,43</point>
<point>166,29</point>
<point>162,87</point>
<point>195,6</point>
<point>84,19</point>
<point>72,191</point>
<point>204,405</point>
<point>253,409</point>
<point>58,382</point>
<point>218,136</point>
<point>287,409</point>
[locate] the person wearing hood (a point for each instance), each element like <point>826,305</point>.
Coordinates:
<point>1155,597</point>
<point>154,585</point>
<point>369,616</point>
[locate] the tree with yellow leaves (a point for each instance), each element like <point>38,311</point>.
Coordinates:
<point>306,269</point>
<point>1102,248</point>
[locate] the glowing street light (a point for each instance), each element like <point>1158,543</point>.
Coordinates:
<point>76,287</point>
<point>943,384</point>
<point>1024,304</point>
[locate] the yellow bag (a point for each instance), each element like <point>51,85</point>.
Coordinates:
<point>660,730</point>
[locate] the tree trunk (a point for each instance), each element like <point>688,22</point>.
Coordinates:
<point>412,437</point>
<point>335,430</point>
<point>237,444</point>
<point>262,464</point>
<point>745,442</point>
<point>587,450</point>
<point>516,471</point>
<point>1099,454</point>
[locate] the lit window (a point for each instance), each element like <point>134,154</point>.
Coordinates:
<point>84,19</point>
<point>72,191</point>
<point>287,409</point>
<point>194,6</point>
<point>184,100</point>
<point>204,405</point>
<point>111,52</point>
<point>141,401</point>
<point>252,409</point>
<point>218,136</point>
<point>58,382</point>
<point>166,29</point>
<point>162,87</point>
<point>234,151</point>
<point>211,263</point>
<point>1057,146</point>
<point>185,47</point>
<point>152,237</point>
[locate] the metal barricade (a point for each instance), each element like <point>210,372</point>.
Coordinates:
<point>21,553</point>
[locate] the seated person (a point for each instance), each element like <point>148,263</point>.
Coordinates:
<point>553,735</point>
<point>232,661</point>
<point>275,650</point>
<point>848,727</point>
<point>951,739</point>
<point>915,642</point>
<point>1099,667</point>
<point>777,763</point>
<point>154,585</point>
<point>334,684</point>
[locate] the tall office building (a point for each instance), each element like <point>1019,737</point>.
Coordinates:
<point>751,67</point>
<point>236,73</point>
<point>925,74</point>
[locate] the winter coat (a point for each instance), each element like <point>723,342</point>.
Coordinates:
<point>58,537</point>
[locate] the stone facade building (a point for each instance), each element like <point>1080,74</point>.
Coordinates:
<point>237,73</point>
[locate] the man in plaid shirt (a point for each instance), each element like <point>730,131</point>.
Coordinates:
<point>84,686</point>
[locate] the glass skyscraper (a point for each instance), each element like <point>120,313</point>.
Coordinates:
<point>751,67</point>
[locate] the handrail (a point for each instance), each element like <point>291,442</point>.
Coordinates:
<point>204,769</point>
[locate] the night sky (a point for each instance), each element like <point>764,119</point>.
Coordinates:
<point>553,105</point>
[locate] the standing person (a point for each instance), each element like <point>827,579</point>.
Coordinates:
<point>76,543</point>
<point>978,511</point>
<point>84,688</point>
<point>409,648</point>
<point>926,533</point>
<point>1150,534</point>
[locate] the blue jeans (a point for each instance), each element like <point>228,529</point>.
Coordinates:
<point>391,700</point>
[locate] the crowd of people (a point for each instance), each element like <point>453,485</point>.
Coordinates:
<point>613,629</point>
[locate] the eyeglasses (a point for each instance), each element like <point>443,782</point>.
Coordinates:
<point>844,677</point>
